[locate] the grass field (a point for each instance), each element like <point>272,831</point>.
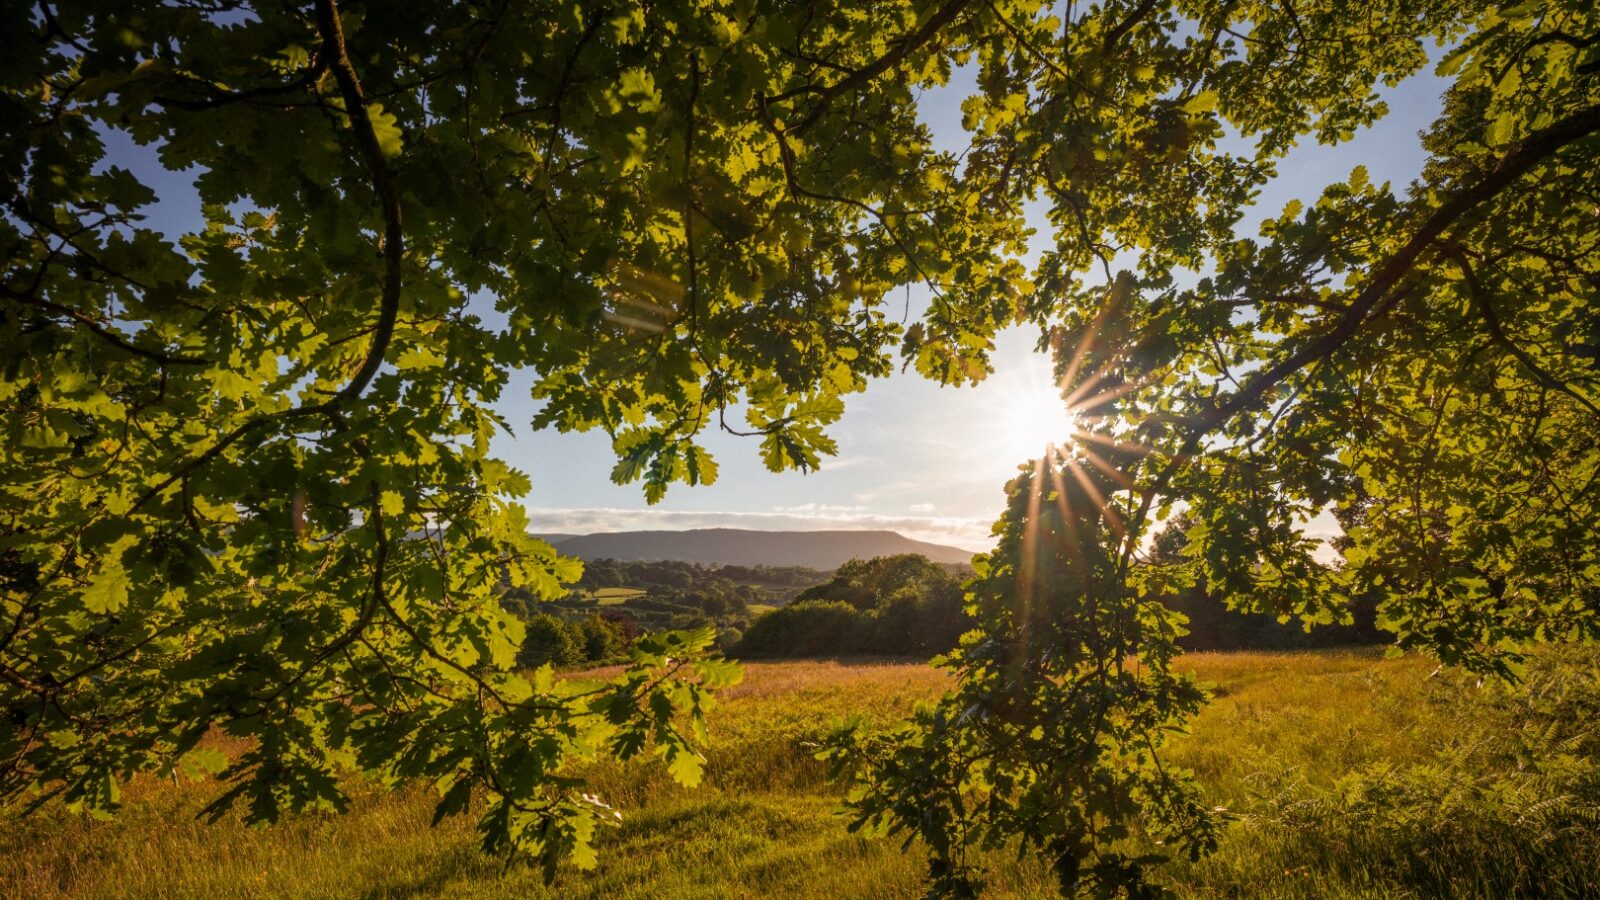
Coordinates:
<point>1305,750</point>
<point>612,596</point>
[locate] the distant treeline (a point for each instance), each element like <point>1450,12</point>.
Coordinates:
<point>675,596</point>
<point>907,606</point>
<point>754,583</point>
<point>901,605</point>
<point>1214,627</point>
<point>573,643</point>
<point>892,605</point>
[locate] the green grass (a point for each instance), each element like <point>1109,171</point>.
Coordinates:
<point>1286,745</point>
<point>613,596</point>
<point>758,609</point>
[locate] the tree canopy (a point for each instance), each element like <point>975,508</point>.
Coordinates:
<point>901,605</point>
<point>245,469</point>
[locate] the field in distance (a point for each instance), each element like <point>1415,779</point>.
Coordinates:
<point>1348,775</point>
<point>611,596</point>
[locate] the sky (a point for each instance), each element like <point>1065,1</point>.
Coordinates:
<point>914,457</point>
<point>924,460</point>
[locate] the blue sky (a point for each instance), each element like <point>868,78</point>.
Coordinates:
<point>925,460</point>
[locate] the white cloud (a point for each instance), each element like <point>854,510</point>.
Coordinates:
<point>921,508</point>
<point>835,463</point>
<point>889,489</point>
<point>819,509</point>
<point>968,533</point>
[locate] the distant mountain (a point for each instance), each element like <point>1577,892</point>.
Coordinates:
<point>824,550</point>
<point>555,538</point>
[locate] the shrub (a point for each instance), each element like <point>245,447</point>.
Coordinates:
<point>804,628</point>
<point>900,606</point>
<point>604,639</point>
<point>552,640</point>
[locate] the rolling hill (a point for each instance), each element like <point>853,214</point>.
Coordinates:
<point>553,538</point>
<point>825,550</point>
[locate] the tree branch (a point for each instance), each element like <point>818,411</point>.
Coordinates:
<point>103,332</point>
<point>904,47</point>
<point>1529,153</point>
<point>1480,302</point>
<point>338,56</point>
<point>1134,17</point>
<point>1379,292</point>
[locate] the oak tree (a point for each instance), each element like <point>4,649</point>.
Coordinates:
<point>1422,362</point>
<point>246,471</point>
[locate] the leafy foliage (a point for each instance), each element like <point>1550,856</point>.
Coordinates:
<point>804,628</point>
<point>1210,624</point>
<point>1066,693</point>
<point>595,639</point>
<point>245,469</point>
<point>899,605</point>
<point>865,583</point>
<point>750,583</point>
<point>1421,363</point>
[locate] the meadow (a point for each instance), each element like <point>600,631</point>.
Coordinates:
<point>1345,774</point>
<point>611,596</point>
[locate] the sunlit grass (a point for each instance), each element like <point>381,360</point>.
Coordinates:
<point>612,596</point>
<point>765,822</point>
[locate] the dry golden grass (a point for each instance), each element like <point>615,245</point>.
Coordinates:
<point>765,823</point>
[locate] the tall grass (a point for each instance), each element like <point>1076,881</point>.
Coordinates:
<point>1382,784</point>
<point>1346,774</point>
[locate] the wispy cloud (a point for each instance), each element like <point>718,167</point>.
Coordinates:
<point>966,533</point>
<point>888,489</point>
<point>820,509</point>
<point>836,463</point>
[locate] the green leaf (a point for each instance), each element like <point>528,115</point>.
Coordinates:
<point>702,468</point>
<point>454,801</point>
<point>386,128</point>
<point>392,503</point>
<point>231,385</point>
<point>718,673</point>
<point>107,590</point>
<point>203,761</point>
<point>1203,102</point>
<point>684,765</point>
<point>1502,129</point>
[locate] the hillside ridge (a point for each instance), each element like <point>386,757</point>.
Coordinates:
<point>824,550</point>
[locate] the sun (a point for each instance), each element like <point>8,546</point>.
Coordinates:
<point>1034,417</point>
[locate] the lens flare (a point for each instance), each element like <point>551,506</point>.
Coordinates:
<point>1035,418</point>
